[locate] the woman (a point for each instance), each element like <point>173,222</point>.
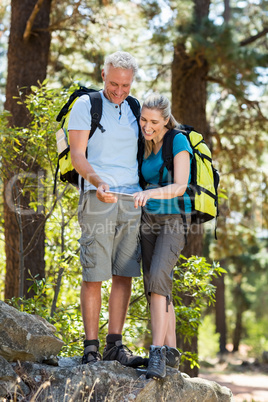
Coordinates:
<point>162,229</point>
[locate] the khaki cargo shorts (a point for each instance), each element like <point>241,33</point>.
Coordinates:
<point>110,241</point>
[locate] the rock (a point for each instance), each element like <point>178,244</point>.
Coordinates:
<point>26,337</point>
<point>28,342</point>
<point>10,382</point>
<point>110,381</point>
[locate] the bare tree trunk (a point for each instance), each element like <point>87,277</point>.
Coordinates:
<point>238,330</point>
<point>227,11</point>
<point>242,304</point>
<point>220,311</point>
<point>28,52</point>
<point>189,97</point>
<point>61,270</point>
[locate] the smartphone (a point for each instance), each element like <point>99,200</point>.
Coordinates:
<point>121,196</point>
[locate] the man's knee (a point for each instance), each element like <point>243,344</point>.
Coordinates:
<point>121,279</point>
<point>91,286</point>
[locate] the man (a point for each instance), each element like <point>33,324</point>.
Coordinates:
<point>109,241</point>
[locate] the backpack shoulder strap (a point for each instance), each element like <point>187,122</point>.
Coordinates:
<point>184,128</point>
<point>96,112</point>
<point>167,155</point>
<point>134,106</point>
<point>136,110</point>
<point>76,94</point>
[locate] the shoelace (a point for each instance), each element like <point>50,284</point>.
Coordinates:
<point>122,347</point>
<point>96,355</point>
<point>154,361</point>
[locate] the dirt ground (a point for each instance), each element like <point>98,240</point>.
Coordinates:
<point>246,377</point>
<point>245,387</point>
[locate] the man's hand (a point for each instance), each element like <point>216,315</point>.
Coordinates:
<point>103,196</point>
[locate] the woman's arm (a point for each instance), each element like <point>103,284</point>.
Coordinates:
<point>178,188</point>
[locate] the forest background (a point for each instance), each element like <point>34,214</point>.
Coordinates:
<point>210,59</point>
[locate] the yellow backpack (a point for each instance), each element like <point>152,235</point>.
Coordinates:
<point>203,188</point>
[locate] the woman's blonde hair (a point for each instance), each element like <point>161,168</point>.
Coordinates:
<point>161,103</point>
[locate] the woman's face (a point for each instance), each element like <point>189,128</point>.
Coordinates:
<point>152,124</point>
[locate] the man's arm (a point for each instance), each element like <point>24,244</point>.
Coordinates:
<point>78,143</point>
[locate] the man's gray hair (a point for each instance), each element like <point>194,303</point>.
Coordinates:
<point>121,60</point>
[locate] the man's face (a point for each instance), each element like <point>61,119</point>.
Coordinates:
<point>117,84</point>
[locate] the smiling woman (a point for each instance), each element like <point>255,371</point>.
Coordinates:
<point>156,119</point>
<point>153,127</point>
<point>163,227</point>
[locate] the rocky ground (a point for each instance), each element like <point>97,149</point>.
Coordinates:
<point>246,377</point>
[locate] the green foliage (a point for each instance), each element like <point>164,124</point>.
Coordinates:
<point>36,143</point>
<point>255,334</point>
<point>208,339</point>
<point>151,9</point>
<point>136,327</point>
<point>192,292</point>
<point>85,31</point>
<point>246,291</point>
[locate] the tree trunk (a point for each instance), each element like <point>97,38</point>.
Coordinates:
<point>238,331</point>
<point>189,97</point>
<point>242,304</point>
<point>28,53</point>
<point>220,311</point>
<point>227,11</point>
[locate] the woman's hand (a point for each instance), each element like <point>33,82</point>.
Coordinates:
<point>141,198</point>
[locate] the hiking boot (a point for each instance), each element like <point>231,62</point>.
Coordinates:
<point>173,357</point>
<point>123,355</point>
<point>91,355</point>
<point>157,362</point>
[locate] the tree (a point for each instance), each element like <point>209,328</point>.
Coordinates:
<point>28,53</point>
<point>189,75</point>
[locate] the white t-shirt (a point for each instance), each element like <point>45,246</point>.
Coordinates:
<point>112,154</point>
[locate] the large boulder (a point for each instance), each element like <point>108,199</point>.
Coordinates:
<point>28,343</point>
<point>110,381</point>
<point>26,337</point>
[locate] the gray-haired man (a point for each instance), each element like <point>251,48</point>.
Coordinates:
<point>110,227</point>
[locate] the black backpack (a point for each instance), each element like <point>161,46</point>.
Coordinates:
<point>67,171</point>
